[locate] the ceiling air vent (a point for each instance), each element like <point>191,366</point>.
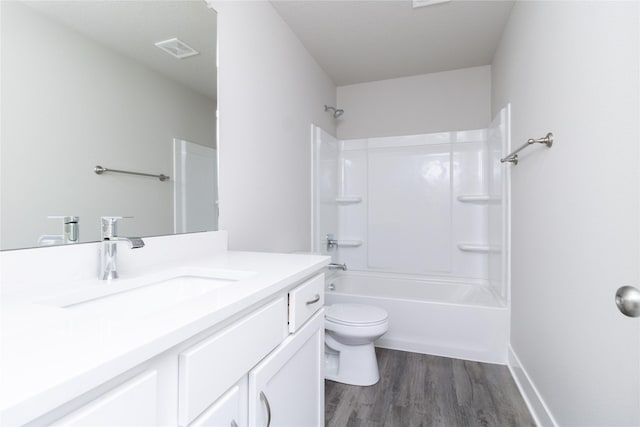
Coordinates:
<point>177,48</point>
<point>423,3</point>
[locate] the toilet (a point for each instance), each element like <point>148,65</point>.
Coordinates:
<point>350,331</point>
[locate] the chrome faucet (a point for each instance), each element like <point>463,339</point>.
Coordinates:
<point>109,249</point>
<point>70,232</point>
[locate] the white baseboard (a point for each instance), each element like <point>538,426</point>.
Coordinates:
<point>539,410</point>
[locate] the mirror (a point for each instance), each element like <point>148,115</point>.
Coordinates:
<point>83,85</point>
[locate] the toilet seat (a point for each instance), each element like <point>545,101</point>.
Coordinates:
<point>355,315</point>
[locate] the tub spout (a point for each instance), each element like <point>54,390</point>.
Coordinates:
<point>335,266</point>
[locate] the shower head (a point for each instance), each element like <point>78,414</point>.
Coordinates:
<point>336,112</point>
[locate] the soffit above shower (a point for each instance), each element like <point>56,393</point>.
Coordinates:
<point>362,41</point>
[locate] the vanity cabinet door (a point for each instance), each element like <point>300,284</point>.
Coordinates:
<point>230,410</point>
<point>287,387</point>
<point>134,403</point>
<point>209,368</point>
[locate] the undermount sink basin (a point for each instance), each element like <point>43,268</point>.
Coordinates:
<point>140,296</point>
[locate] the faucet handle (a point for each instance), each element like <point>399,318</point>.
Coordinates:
<point>331,242</point>
<point>108,226</point>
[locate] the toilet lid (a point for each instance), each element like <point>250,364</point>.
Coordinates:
<point>355,314</point>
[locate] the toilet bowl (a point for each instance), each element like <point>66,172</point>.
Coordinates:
<point>350,331</point>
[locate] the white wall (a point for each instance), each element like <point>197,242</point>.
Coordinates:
<point>437,102</point>
<point>572,68</point>
<point>69,104</point>
<point>270,91</point>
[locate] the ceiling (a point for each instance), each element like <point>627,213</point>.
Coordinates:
<point>354,41</point>
<point>362,41</point>
<point>133,27</point>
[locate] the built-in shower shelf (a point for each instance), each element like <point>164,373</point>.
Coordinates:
<point>348,199</point>
<point>477,247</point>
<point>478,198</point>
<point>349,243</point>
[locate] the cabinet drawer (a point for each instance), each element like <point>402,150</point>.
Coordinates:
<point>211,367</point>
<point>132,404</point>
<point>305,300</point>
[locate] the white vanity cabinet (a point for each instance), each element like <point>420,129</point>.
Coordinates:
<point>287,387</point>
<point>269,360</point>
<point>132,403</point>
<point>230,410</point>
<point>212,366</point>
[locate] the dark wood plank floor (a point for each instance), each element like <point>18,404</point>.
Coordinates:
<point>422,390</point>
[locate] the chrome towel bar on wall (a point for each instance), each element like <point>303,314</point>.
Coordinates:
<point>513,157</point>
<point>100,170</point>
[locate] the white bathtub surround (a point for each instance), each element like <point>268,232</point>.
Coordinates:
<point>498,199</point>
<point>444,318</point>
<point>419,204</point>
<point>409,218</point>
<point>69,351</point>
<point>325,173</point>
<point>425,219</point>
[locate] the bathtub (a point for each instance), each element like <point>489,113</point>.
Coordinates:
<point>459,320</point>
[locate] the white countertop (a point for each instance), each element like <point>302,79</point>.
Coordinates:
<point>51,355</point>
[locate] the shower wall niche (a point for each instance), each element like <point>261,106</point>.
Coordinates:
<point>430,206</point>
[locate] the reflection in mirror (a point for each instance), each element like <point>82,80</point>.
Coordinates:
<point>84,84</point>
